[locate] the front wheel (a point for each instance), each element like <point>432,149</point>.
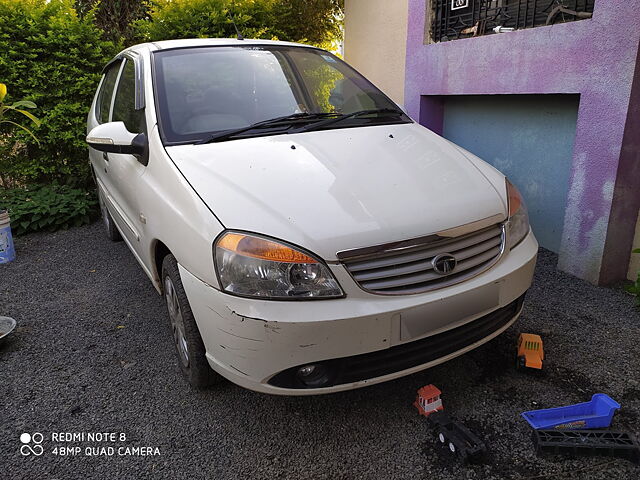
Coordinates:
<point>186,336</point>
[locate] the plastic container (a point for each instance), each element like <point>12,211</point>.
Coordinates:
<point>587,442</point>
<point>594,414</point>
<point>7,325</point>
<point>7,250</point>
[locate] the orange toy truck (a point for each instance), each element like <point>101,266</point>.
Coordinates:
<point>428,400</point>
<point>530,351</point>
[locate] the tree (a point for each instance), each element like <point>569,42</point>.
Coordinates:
<point>318,22</point>
<point>114,17</point>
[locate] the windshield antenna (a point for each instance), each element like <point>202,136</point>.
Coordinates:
<point>240,37</point>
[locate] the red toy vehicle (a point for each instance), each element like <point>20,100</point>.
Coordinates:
<point>460,440</point>
<point>428,400</point>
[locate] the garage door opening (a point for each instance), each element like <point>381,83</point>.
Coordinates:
<point>528,137</point>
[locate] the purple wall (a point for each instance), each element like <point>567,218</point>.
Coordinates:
<point>595,58</point>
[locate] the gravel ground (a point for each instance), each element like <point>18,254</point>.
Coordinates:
<point>93,353</point>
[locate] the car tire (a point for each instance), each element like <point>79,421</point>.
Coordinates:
<point>186,336</point>
<point>112,231</point>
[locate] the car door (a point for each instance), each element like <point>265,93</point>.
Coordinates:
<point>121,173</point>
<point>101,113</point>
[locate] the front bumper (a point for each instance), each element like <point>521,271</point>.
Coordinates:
<point>254,342</point>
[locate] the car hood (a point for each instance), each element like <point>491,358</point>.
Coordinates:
<point>340,189</point>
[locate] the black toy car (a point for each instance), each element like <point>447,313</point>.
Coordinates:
<point>458,438</point>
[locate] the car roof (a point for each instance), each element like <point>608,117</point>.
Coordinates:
<point>205,42</point>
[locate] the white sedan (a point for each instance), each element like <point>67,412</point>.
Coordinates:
<point>308,236</point>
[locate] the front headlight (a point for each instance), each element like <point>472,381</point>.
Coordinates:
<point>253,266</point>
<point>518,217</point>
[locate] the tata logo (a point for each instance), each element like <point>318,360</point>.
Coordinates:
<point>444,263</point>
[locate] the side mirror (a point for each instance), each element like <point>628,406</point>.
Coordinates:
<point>113,137</point>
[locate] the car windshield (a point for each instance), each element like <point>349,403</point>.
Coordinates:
<point>204,91</point>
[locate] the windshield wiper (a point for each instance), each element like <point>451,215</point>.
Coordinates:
<point>226,134</point>
<point>359,113</point>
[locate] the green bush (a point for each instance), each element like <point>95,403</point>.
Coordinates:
<point>51,57</point>
<point>316,22</point>
<point>48,207</point>
<point>206,18</point>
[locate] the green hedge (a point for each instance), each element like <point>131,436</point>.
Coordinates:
<point>206,18</point>
<point>52,57</point>
<point>317,22</point>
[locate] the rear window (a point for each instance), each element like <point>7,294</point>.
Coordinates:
<point>103,103</point>
<point>124,105</point>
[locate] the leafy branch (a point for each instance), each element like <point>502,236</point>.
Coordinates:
<point>18,107</point>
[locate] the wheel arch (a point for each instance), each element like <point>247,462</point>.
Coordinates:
<point>159,251</point>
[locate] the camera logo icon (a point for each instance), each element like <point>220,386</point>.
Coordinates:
<point>31,444</point>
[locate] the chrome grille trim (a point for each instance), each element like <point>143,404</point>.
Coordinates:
<point>407,268</point>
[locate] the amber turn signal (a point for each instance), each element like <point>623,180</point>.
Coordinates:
<point>514,198</point>
<point>261,248</point>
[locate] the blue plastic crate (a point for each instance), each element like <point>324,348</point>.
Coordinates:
<point>594,414</point>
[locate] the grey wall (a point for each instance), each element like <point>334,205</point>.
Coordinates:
<point>530,139</point>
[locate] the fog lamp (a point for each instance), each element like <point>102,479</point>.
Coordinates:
<point>313,376</point>
<point>306,370</point>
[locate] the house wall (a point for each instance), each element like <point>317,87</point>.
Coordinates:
<point>375,36</point>
<point>634,264</point>
<point>595,58</point>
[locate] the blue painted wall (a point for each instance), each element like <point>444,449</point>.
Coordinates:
<point>527,137</point>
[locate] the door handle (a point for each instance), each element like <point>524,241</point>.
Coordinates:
<point>105,155</point>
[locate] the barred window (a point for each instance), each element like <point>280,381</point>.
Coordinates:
<point>454,19</point>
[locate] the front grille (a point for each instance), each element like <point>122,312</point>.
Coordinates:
<point>410,269</point>
<point>408,355</point>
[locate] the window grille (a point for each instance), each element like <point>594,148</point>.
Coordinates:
<point>454,19</point>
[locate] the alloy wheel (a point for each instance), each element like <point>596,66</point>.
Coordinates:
<point>177,322</point>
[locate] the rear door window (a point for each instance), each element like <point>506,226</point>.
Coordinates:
<point>124,106</point>
<point>103,103</point>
